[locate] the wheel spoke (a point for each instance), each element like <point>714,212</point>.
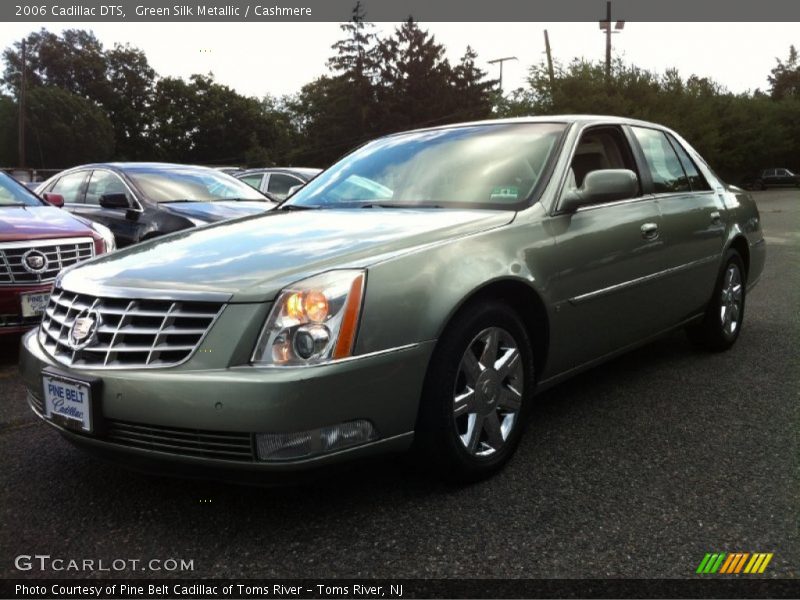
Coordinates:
<point>463,403</point>
<point>471,367</point>
<point>490,349</point>
<point>507,362</point>
<point>474,433</point>
<point>493,433</point>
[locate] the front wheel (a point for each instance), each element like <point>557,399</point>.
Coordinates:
<point>476,393</point>
<point>724,316</point>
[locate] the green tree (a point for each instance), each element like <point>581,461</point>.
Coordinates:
<point>784,79</point>
<point>414,80</point>
<point>64,129</point>
<point>132,87</point>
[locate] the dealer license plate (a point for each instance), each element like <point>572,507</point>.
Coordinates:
<point>33,305</point>
<point>68,402</point>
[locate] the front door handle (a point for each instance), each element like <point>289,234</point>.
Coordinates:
<point>650,231</point>
<point>715,217</point>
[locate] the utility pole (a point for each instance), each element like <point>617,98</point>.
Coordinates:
<point>21,133</point>
<point>606,26</point>
<point>501,61</point>
<point>549,61</point>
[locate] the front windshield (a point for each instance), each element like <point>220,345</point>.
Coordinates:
<point>191,184</point>
<point>476,166</point>
<point>15,194</point>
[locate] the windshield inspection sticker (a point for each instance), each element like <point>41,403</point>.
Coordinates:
<point>505,193</point>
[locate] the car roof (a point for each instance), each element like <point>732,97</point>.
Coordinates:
<point>566,119</point>
<point>302,171</point>
<point>124,166</point>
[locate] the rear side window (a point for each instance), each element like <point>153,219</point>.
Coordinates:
<point>696,180</point>
<point>665,167</point>
<point>71,187</point>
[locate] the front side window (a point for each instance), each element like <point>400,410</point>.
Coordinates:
<point>70,187</point>
<point>102,183</point>
<point>478,166</point>
<point>665,168</point>
<point>280,184</point>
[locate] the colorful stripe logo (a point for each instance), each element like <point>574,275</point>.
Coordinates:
<point>734,562</point>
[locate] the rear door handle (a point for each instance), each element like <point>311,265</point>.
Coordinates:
<point>650,231</point>
<point>715,217</point>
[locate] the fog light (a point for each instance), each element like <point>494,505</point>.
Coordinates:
<point>305,444</point>
<point>311,340</point>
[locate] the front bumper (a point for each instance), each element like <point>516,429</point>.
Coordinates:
<point>383,388</point>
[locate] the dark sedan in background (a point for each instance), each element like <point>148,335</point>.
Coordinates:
<point>771,178</point>
<point>277,182</point>
<point>140,201</point>
<point>37,240</point>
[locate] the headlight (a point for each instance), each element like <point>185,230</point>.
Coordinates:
<point>313,321</point>
<point>108,237</point>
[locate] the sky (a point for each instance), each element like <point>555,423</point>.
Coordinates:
<point>278,58</point>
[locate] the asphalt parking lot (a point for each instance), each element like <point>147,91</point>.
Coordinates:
<point>634,469</point>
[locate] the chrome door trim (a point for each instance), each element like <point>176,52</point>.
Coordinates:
<point>576,300</point>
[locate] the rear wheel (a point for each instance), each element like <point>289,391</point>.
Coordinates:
<point>722,322</point>
<point>476,394</point>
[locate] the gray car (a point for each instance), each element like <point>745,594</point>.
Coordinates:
<point>278,182</point>
<point>421,291</point>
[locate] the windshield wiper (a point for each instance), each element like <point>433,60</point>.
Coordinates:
<point>399,205</point>
<point>295,207</point>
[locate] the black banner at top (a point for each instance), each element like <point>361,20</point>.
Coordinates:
<point>396,10</point>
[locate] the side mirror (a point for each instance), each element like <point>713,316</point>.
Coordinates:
<point>294,189</point>
<point>114,201</point>
<point>56,200</point>
<point>605,185</point>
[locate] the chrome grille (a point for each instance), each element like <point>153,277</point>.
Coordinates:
<point>59,253</point>
<point>129,333</point>
<point>221,445</point>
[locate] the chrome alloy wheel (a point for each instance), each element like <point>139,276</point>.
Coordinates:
<point>730,310</point>
<point>487,396</point>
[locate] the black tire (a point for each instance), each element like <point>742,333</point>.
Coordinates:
<point>437,436</point>
<point>713,333</point>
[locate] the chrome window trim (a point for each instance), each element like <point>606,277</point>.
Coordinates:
<point>639,280</point>
<point>587,207</point>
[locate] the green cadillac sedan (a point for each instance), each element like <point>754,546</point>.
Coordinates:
<point>421,291</point>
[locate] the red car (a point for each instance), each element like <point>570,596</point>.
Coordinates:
<point>38,240</point>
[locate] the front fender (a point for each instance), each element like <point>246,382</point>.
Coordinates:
<point>411,298</point>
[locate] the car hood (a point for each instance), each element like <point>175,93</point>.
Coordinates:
<point>252,259</point>
<point>18,223</point>
<point>220,210</point>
